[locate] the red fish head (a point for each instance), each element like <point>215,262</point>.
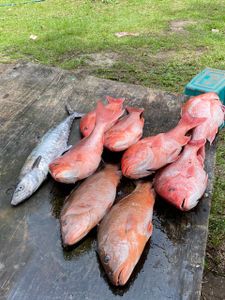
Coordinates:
<point>63,172</point>
<point>183,196</point>
<point>136,161</point>
<point>117,262</point>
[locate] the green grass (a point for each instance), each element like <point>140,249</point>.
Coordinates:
<point>73,27</point>
<point>68,30</point>
<point>217,217</point>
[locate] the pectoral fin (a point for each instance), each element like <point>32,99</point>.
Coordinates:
<point>131,223</point>
<point>37,162</point>
<point>150,228</point>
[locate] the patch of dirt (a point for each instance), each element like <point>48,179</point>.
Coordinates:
<point>167,55</point>
<point>95,61</point>
<point>164,55</point>
<point>102,59</point>
<point>178,26</point>
<point>4,67</point>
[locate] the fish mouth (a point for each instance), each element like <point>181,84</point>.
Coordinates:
<point>65,177</point>
<point>122,275</point>
<point>68,241</point>
<point>73,232</point>
<point>136,174</point>
<point>15,201</point>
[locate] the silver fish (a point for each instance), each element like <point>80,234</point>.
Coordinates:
<point>35,169</point>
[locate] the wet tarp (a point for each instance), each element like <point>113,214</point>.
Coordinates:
<point>33,263</point>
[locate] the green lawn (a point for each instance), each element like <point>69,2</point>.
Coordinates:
<point>159,57</point>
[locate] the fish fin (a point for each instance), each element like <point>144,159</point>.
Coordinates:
<point>36,162</point>
<point>149,172</point>
<point>106,116</point>
<point>201,155</point>
<point>134,110</point>
<point>189,121</point>
<point>112,100</point>
<point>212,135</point>
<point>70,111</point>
<point>200,148</point>
<point>131,223</point>
<point>183,140</point>
<point>150,228</point>
<point>173,159</point>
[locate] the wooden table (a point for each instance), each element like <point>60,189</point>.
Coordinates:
<point>33,264</point>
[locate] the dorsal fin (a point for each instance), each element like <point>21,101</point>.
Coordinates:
<point>69,109</point>
<point>114,100</point>
<point>134,109</point>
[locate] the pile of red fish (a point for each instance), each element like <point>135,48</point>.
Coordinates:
<point>177,159</point>
<point>181,180</point>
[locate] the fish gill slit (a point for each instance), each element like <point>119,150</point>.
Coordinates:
<point>182,205</point>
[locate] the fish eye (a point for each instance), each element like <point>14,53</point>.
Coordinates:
<point>20,188</point>
<point>106,258</point>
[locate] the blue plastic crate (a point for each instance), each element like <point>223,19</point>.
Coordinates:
<point>209,80</point>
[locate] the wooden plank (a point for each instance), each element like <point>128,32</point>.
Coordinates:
<point>33,264</point>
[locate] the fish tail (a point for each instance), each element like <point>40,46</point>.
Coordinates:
<point>134,109</point>
<point>73,113</point>
<point>116,101</point>
<point>107,117</point>
<point>114,168</point>
<point>143,184</point>
<point>190,122</point>
<point>197,146</point>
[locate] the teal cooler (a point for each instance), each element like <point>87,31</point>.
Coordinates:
<point>209,80</point>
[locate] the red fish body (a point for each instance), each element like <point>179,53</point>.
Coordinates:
<point>154,152</point>
<point>126,132</point>
<point>87,122</point>
<point>124,232</point>
<point>208,106</point>
<point>183,182</point>
<point>83,158</point>
<point>87,205</point>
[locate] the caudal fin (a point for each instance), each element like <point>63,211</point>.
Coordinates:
<point>190,122</point>
<point>107,117</point>
<point>134,110</point>
<point>115,101</point>
<point>198,147</point>
<point>73,113</point>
